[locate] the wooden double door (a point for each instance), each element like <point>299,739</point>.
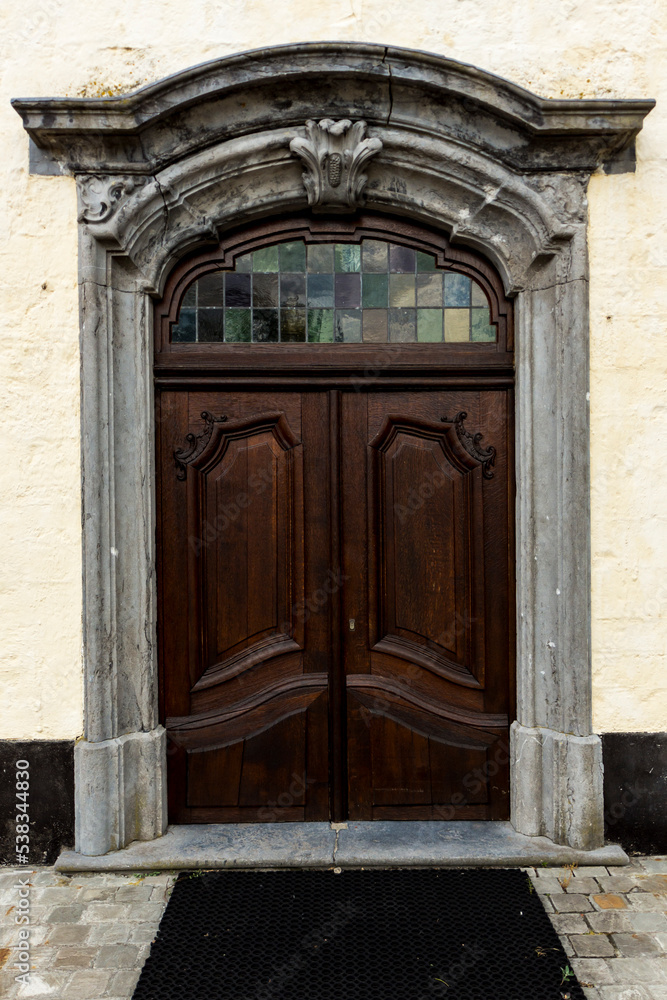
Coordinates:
<point>336,602</point>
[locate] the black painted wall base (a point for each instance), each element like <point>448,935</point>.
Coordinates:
<point>635,791</point>
<point>50,798</point>
<point>635,794</point>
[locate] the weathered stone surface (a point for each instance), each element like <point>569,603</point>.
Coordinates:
<point>569,923</point>
<point>632,945</point>
<point>123,784</point>
<point>197,107</point>
<point>547,766</point>
<point>571,903</point>
<point>218,846</point>
<point>313,844</point>
<point>592,945</point>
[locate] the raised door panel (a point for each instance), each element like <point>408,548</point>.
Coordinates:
<point>428,538</point>
<point>246,494</point>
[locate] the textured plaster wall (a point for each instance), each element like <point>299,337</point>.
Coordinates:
<point>597,48</point>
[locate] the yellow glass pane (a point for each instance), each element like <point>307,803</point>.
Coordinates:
<point>457,325</point>
<point>401,290</point>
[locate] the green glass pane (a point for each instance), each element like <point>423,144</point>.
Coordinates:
<point>481,330</point>
<point>375,291</point>
<point>293,256</point>
<point>429,289</point>
<point>185,331</point>
<point>347,257</point>
<point>243,263</point>
<point>402,325</point>
<point>265,326</point>
<point>401,290</point>
<point>425,261</point>
<point>211,325</point>
<point>237,326</point>
<point>293,326</point>
<point>320,326</point>
<point>210,290</point>
<point>457,325</point>
<point>429,325</point>
<point>457,289</point>
<point>347,328</point>
<point>320,291</point>
<point>375,255</point>
<point>190,297</point>
<point>321,258</point>
<point>478,295</point>
<point>375,326</point>
<point>266,259</point>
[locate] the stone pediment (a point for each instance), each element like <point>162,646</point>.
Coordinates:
<point>387,87</point>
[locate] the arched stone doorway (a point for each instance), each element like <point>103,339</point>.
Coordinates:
<point>182,161</point>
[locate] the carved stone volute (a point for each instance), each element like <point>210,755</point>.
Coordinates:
<point>333,154</point>
<point>100,197</point>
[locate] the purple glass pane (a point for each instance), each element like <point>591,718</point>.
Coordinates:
<point>348,291</point>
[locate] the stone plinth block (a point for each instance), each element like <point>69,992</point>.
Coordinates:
<point>121,791</point>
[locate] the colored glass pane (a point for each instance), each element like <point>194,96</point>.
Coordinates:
<point>376,292</point>
<point>347,257</point>
<point>320,326</point>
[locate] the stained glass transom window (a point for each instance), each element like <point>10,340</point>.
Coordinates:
<point>373,292</point>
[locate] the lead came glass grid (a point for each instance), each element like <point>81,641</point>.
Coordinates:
<point>375,292</point>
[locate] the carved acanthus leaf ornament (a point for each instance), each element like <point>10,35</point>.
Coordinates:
<point>333,154</point>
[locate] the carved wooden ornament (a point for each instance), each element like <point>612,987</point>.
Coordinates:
<point>333,154</point>
<point>196,444</point>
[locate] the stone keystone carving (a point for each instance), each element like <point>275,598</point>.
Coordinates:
<point>333,154</point>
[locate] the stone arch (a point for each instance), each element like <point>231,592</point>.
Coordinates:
<point>166,169</point>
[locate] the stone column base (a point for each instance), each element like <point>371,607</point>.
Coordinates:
<point>556,786</point>
<point>120,791</point>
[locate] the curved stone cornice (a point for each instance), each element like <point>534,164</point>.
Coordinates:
<point>159,124</point>
<point>474,198</point>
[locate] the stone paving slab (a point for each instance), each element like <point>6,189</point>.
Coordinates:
<point>203,845</point>
<point>90,932</point>
<point>258,845</point>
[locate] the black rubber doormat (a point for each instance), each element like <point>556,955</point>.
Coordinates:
<point>408,934</point>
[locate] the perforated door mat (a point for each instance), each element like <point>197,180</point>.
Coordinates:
<point>409,934</point>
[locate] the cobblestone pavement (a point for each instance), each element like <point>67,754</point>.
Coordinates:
<point>613,925</point>
<point>90,934</point>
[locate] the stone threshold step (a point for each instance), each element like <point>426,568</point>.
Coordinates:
<point>317,845</point>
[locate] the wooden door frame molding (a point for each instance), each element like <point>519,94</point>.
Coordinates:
<point>496,168</point>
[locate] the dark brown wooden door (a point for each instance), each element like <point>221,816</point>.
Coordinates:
<point>335,603</point>
<point>427,646</point>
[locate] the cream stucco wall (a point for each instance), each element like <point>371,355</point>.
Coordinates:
<point>578,48</point>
